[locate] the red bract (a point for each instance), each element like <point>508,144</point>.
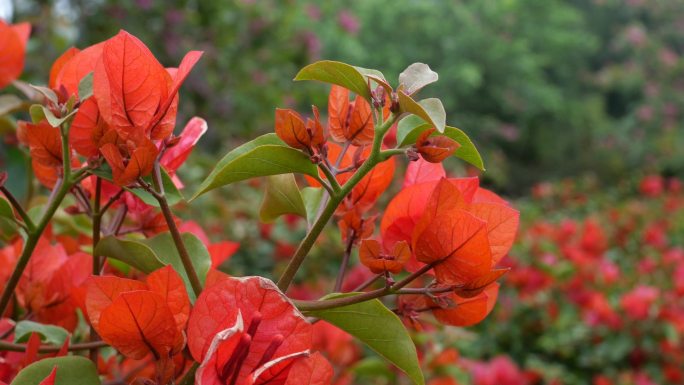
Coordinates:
<point>290,127</point>
<point>453,224</point>
<point>140,162</point>
<point>13,39</point>
<point>137,318</point>
<point>45,146</point>
<point>420,171</point>
<point>380,259</point>
<point>134,104</point>
<point>354,227</point>
<point>49,282</point>
<point>455,310</point>
<point>435,149</point>
<point>176,155</point>
<point>349,121</point>
<point>245,331</point>
<point>135,94</point>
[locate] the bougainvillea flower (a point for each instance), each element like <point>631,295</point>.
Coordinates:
<point>140,318</point>
<point>49,281</point>
<point>349,121</point>
<point>420,171</point>
<point>135,94</point>
<point>245,331</point>
<point>435,149</point>
<point>476,286</point>
<point>450,308</point>
<point>70,68</point>
<point>290,127</point>
<point>460,222</point>
<point>354,225</point>
<point>13,39</point>
<point>45,146</point>
<point>378,259</point>
<point>140,163</point>
<point>176,155</point>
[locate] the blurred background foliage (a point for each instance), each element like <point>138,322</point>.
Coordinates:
<point>547,89</point>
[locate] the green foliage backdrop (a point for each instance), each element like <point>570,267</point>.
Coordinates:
<point>548,89</point>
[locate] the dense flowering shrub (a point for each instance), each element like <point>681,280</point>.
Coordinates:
<point>595,288</point>
<point>118,276</point>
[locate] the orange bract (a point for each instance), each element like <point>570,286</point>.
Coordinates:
<point>435,149</point>
<point>245,331</point>
<point>349,121</point>
<point>378,259</point>
<point>129,85</point>
<point>138,323</point>
<point>467,311</point>
<point>425,210</point>
<point>45,147</point>
<point>13,40</point>
<point>72,71</point>
<point>289,127</point>
<point>139,165</point>
<point>140,318</point>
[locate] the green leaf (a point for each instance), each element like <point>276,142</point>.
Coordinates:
<point>408,132</point>
<point>262,140</point>
<point>430,110</point>
<point>417,76</point>
<point>48,93</point>
<point>165,250</point>
<point>39,113</point>
<point>51,334</point>
<point>85,87</point>
<point>263,160</point>
<point>6,210</point>
<point>132,252</point>
<point>339,73</point>
<point>9,103</point>
<point>467,151</point>
<point>380,329</point>
<point>375,76</point>
<point>71,370</point>
<point>312,199</point>
<point>409,128</point>
<point>282,196</point>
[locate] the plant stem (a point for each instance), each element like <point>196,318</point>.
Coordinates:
<point>173,229</point>
<point>330,176</point>
<point>345,262</point>
<point>13,347</point>
<point>20,210</point>
<point>97,265</point>
<point>97,225</point>
<point>363,297</point>
<point>335,199</point>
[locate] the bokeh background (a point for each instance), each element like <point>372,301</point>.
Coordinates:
<point>576,105</point>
